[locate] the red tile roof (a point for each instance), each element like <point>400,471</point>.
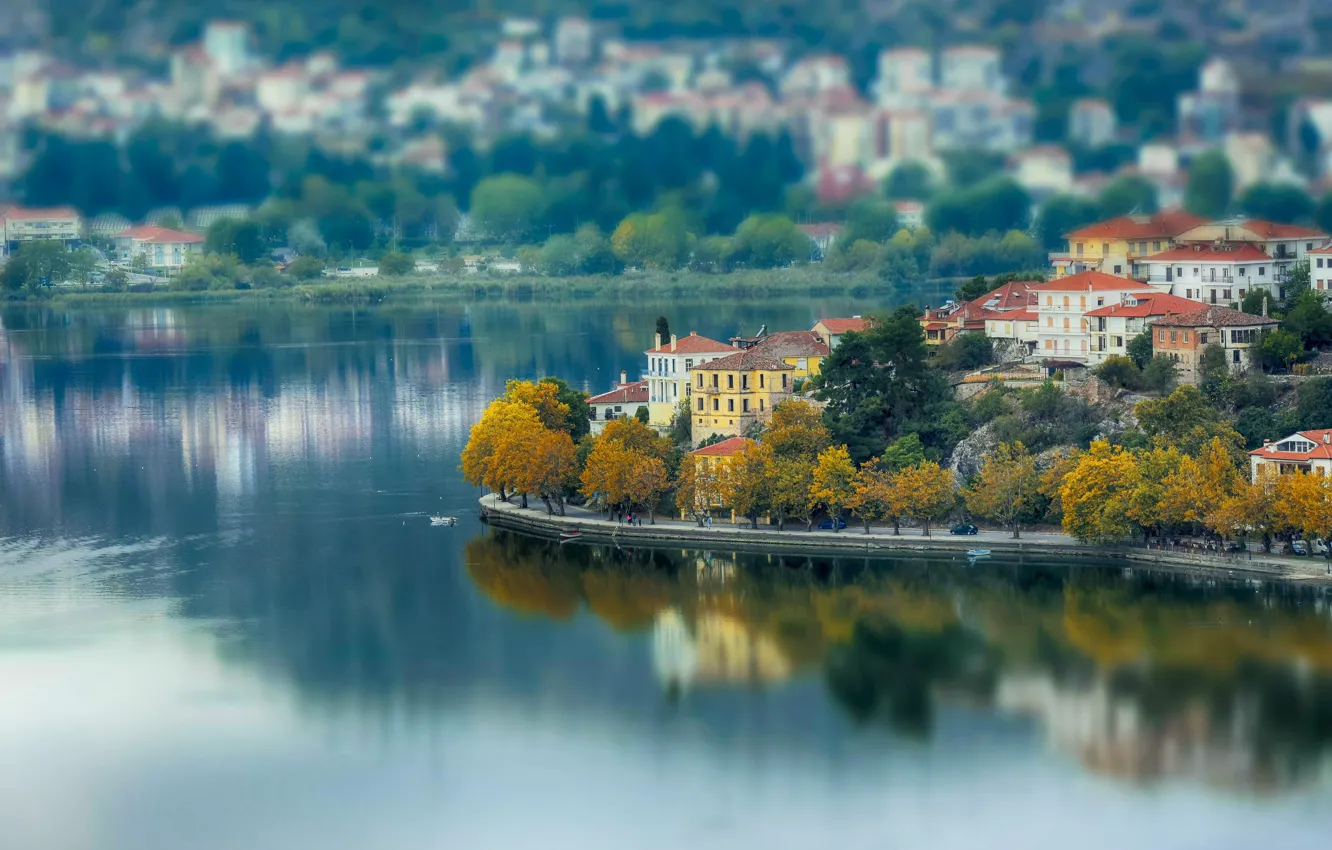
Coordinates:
<point>1010,296</point>
<point>154,234</point>
<point>632,393</point>
<point>792,344</point>
<point>1090,281</point>
<point>1154,305</point>
<point>725,448</point>
<point>841,326</point>
<point>1208,252</point>
<point>1272,230</point>
<point>41,213</point>
<point>1322,447</point>
<point>745,361</point>
<point>1165,224</point>
<point>1214,316</point>
<point>692,344</point>
<point>1023,315</point>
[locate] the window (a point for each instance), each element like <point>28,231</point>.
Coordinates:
<point>760,380</point>
<point>1156,246</point>
<point>1173,336</point>
<point>1262,271</point>
<point>1241,294</point>
<point>1119,269</point>
<point>1188,293</point>
<point>1186,336</point>
<point>1160,336</point>
<point>1049,321</point>
<point>1243,270</point>
<point>715,377</point>
<point>700,404</point>
<point>675,390</point>
<point>1079,248</point>
<point>1308,246</point>
<point>1195,271</point>
<point>1082,302</point>
<point>1065,302</point>
<point>1202,339</point>
<point>744,382</point>
<point>1118,341</point>
<point>1320,262</point>
<point>730,405</point>
<point>1225,293</point>
<point>802,363</point>
<point>1235,356</point>
<point>689,363</point>
<point>700,380</point>
<point>744,406</point>
<point>783,380</point>
<point>1105,248</point>
<point>1049,301</point>
<point>760,405</point>
<point>1049,343</point>
<point>730,382</point>
<point>1066,323</point>
<point>716,404</point>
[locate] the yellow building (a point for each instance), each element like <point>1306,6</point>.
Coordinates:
<point>733,393</point>
<point>715,457</point>
<point>1116,246</point>
<point>803,351</point>
<point>667,374</point>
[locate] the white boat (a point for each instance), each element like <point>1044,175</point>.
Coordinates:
<point>978,553</point>
<point>443,520</point>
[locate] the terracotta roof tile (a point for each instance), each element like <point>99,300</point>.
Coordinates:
<point>841,326</point>
<point>1214,316</point>
<point>1166,224</point>
<point>1272,230</point>
<point>1154,305</point>
<point>692,344</point>
<point>154,234</point>
<point>1226,252</point>
<point>744,361</point>
<point>792,344</point>
<point>1091,281</point>
<point>632,393</point>
<point>725,448</point>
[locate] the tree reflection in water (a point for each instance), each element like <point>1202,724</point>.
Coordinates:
<point>1138,674</point>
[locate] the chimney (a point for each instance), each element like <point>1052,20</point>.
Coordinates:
<point>624,377</point>
<point>672,342</point>
<point>1327,437</point>
<point>1264,305</point>
<point>659,341</point>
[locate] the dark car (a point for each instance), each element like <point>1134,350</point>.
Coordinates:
<point>1299,548</point>
<point>827,523</point>
<point>964,528</point>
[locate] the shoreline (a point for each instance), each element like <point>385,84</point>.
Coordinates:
<point>534,521</point>
<point>666,286</point>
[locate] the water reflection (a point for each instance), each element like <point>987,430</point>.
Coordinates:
<point>1138,674</point>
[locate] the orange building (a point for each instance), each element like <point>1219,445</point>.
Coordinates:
<point>1183,336</point>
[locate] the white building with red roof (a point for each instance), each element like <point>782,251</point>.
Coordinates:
<point>1111,327</point>
<point>1320,270</point>
<point>623,401</point>
<point>1307,451</point>
<point>28,224</point>
<point>1286,244</point>
<point>668,365</point>
<point>1214,272</point>
<point>1062,305</point>
<point>164,248</point>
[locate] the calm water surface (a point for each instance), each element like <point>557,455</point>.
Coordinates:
<point>225,622</point>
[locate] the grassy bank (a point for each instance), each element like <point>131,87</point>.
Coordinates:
<point>630,287</point>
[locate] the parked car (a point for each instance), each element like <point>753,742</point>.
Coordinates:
<point>1299,547</point>
<point>964,528</point>
<point>828,524</point>
<point>1320,547</point>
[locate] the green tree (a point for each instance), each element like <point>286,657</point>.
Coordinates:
<point>1210,186</point>
<point>35,266</point>
<point>1278,350</point>
<point>770,241</point>
<point>1313,406</point>
<point>998,203</point>
<point>507,206</point>
<point>1140,349</point>
<point>82,265</point>
<point>658,241</point>
<point>973,289</point>
<point>1323,213</point>
<point>1119,372</point>
<point>1279,202</point>
<point>559,256</point>
<point>306,268</point>
<point>1310,320</point>
<point>1159,375</point>
<point>965,352</point>
<point>1185,419</point>
<point>1062,214</point>
<point>595,255</point>
<point>116,279</point>
<point>241,237</point>
<point>1213,367</point>
<point>1257,302</point>
<point>871,219</point>
<point>1007,488</point>
<point>909,181</point>
<point>1127,194</point>
<point>396,264</point>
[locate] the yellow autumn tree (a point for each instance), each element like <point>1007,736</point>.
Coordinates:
<point>1197,487</point>
<point>872,497</point>
<point>635,436</point>
<point>500,418</point>
<point>924,492</point>
<point>697,488</point>
<point>746,482</point>
<point>1154,503</point>
<point>1007,487</point>
<point>1251,510</point>
<point>542,397</point>
<point>1052,480</point>
<point>834,481</point>
<point>554,468</point>
<point>606,473</point>
<point>796,430</point>
<point>790,479</point>
<point>647,481</point>
<point>1097,495</point>
<point>1305,501</point>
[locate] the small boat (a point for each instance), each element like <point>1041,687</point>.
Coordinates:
<point>443,520</point>
<point>978,553</point>
<point>566,536</point>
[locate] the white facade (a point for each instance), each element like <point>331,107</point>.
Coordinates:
<point>227,44</point>
<point>1320,271</point>
<point>667,372</point>
<point>1092,122</point>
<point>1063,330</point>
<point>971,68</point>
<point>906,76</point>
<point>1212,276</point>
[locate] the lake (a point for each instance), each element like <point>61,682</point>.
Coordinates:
<point>226,622</point>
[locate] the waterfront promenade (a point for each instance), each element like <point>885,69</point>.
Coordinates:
<point>880,542</point>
